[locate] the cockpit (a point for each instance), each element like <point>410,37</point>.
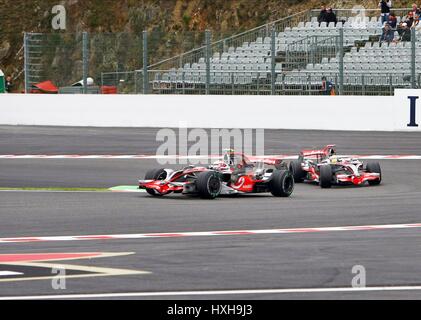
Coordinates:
<point>236,160</point>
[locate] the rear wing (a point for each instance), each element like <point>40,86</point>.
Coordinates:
<point>270,161</point>
<point>321,153</point>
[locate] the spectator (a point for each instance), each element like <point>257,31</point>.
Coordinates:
<point>415,10</point>
<point>9,84</point>
<point>406,24</point>
<point>410,19</point>
<point>416,22</point>
<point>331,16</point>
<point>388,34</point>
<point>322,15</point>
<point>328,88</point>
<point>405,32</point>
<point>393,21</point>
<point>400,28</point>
<point>385,6</point>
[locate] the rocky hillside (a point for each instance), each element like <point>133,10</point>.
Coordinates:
<point>172,21</point>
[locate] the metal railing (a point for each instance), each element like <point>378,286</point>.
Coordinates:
<point>127,82</point>
<point>359,13</point>
<point>53,57</point>
<point>233,41</point>
<point>311,50</point>
<point>256,61</point>
<point>257,82</point>
<point>65,58</point>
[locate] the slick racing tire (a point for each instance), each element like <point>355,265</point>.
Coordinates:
<point>281,183</point>
<point>374,167</point>
<point>325,180</point>
<point>155,174</point>
<point>298,172</point>
<point>208,184</point>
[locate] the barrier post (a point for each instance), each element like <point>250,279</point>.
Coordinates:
<point>390,85</point>
<point>85,54</point>
<point>413,66</point>
<point>2,83</point>
<point>26,61</point>
<point>272,60</point>
<point>363,84</point>
<point>341,61</point>
<point>145,63</point>
<point>135,82</point>
<point>207,59</point>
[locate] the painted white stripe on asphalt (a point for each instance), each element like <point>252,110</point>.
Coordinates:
<point>194,157</point>
<point>208,233</point>
<point>213,293</point>
<point>9,273</point>
<point>54,191</point>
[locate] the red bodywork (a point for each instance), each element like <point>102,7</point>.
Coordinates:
<point>349,171</point>
<point>165,187</point>
<point>357,180</point>
<point>245,183</point>
<point>319,155</point>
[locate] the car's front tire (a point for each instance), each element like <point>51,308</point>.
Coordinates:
<point>374,167</point>
<point>282,183</point>
<point>325,180</point>
<point>155,174</point>
<point>297,171</point>
<point>208,184</point>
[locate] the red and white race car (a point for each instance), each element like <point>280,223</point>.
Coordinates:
<point>233,175</point>
<point>326,168</point>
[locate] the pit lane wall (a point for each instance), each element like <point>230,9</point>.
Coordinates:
<point>364,113</point>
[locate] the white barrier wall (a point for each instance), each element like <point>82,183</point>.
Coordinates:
<point>407,110</point>
<point>277,112</point>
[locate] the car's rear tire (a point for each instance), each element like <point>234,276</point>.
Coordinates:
<point>208,184</point>
<point>155,174</point>
<point>281,183</point>
<point>325,180</point>
<point>297,171</point>
<point>374,167</point>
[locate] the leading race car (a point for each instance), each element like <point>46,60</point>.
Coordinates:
<point>233,175</point>
<point>326,168</point>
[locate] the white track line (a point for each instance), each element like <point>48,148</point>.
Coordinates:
<point>207,233</point>
<point>9,273</point>
<point>213,293</point>
<point>152,157</point>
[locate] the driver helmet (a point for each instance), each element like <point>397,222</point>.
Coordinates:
<point>229,157</point>
<point>333,159</point>
<point>332,152</point>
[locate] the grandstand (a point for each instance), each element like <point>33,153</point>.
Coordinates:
<point>303,54</point>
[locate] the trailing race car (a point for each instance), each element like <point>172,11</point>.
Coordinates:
<point>233,175</point>
<point>326,168</point>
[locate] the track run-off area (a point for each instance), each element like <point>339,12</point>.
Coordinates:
<point>54,201</point>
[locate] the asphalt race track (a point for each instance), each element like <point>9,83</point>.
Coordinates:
<point>300,264</point>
